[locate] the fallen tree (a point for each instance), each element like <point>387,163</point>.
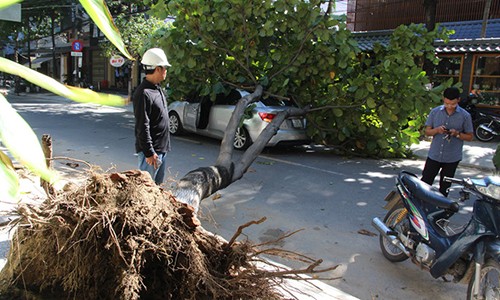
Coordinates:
<point>119,236</point>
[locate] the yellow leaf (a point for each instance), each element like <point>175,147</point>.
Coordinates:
<point>50,84</point>
<point>5,3</point>
<point>6,160</point>
<point>101,16</point>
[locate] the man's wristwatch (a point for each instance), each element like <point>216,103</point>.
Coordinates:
<point>458,135</point>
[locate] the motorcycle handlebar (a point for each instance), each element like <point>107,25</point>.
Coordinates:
<point>453,180</point>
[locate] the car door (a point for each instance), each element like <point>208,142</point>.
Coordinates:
<point>191,113</point>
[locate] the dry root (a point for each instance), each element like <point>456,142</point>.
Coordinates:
<point>120,236</point>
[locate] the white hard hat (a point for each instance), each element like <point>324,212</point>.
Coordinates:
<point>154,57</point>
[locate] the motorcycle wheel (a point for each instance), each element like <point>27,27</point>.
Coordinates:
<point>391,252</point>
<point>489,284</point>
<point>483,135</point>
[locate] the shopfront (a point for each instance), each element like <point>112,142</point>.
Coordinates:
<point>467,58</point>
<point>479,72</point>
<point>486,77</point>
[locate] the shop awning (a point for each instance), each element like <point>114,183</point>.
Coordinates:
<point>478,45</point>
<point>37,62</point>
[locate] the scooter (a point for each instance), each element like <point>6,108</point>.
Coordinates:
<point>487,127</point>
<point>417,226</point>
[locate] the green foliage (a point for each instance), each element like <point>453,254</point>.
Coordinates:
<point>34,22</point>
<point>388,87</point>
<point>136,31</point>
<point>246,43</point>
<point>373,103</point>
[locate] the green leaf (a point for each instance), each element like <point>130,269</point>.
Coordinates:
<point>50,84</point>
<point>338,112</point>
<point>264,81</point>
<point>370,88</point>
<point>22,142</point>
<point>218,88</point>
<point>371,103</point>
<point>100,14</point>
<point>387,64</point>
<point>191,63</point>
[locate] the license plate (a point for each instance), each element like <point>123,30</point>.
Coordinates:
<point>297,123</point>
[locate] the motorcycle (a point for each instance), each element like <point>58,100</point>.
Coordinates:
<point>417,226</point>
<point>486,123</point>
<point>487,127</point>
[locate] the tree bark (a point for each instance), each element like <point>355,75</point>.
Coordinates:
<point>430,7</point>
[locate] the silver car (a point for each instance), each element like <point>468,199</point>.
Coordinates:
<point>205,117</point>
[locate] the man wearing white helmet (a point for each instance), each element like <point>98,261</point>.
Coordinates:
<point>152,139</point>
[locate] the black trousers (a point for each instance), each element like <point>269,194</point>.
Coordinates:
<point>432,168</point>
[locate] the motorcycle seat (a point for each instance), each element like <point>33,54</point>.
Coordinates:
<point>427,193</point>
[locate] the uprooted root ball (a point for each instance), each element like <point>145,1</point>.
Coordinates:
<point>120,236</point>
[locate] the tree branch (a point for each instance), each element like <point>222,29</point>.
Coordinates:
<point>251,153</point>
<point>226,148</point>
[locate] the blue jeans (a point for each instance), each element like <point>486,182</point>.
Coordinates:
<point>158,175</point>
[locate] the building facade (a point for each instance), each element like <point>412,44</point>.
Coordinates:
<point>472,56</point>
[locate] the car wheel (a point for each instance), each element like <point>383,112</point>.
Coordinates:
<point>175,125</point>
<point>242,139</point>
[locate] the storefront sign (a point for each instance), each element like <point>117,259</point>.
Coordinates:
<point>117,61</point>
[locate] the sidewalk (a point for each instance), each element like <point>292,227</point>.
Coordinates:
<point>476,154</point>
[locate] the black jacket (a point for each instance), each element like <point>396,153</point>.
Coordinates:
<point>151,119</point>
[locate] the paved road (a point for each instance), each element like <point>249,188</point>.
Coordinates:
<point>329,199</point>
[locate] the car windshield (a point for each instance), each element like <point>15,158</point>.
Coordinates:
<point>270,101</point>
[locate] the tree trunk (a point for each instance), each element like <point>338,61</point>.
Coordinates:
<point>28,30</point>
<point>52,34</point>
<point>202,182</point>
<point>486,14</point>
<point>430,7</point>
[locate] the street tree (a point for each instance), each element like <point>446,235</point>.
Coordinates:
<point>46,19</point>
<point>363,103</point>
<point>39,19</point>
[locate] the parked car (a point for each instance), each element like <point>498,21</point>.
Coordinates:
<point>202,116</point>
